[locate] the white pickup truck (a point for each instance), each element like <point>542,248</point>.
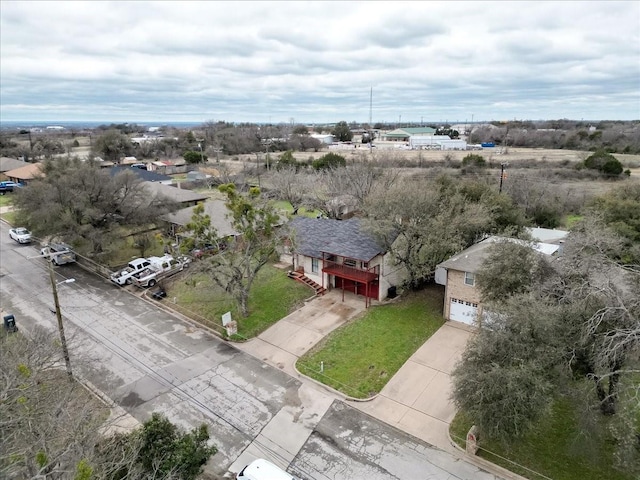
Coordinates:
<point>161,267</point>
<point>125,276</point>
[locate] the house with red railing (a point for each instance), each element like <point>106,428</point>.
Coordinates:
<point>340,254</point>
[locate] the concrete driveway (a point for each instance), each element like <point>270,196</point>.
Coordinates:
<point>416,399</point>
<point>283,343</point>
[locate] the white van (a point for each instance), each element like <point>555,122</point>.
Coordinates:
<point>262,469</point>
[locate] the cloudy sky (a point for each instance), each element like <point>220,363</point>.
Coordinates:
<point>317,61</point>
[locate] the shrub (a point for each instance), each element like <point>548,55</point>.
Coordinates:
<point>286,159</point>
<point>603,162</point>
<point>612,167</point>
<point>473,160</point>
<point>191,156</point>
<point>330,160</point>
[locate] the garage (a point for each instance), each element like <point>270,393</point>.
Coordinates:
<point>461,311</point>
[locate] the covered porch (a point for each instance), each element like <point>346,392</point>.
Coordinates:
<point>350,278</point>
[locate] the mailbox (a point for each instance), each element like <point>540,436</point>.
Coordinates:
<point>10,323</point>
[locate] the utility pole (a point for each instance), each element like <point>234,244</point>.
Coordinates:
<point>370,119</point>
<point>63,339</point>
<point>502,175</point>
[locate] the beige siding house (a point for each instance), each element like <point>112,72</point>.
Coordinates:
<point>340,254</point>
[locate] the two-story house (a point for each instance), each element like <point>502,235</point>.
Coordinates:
<point>341,254</point>
<point>462,302</point>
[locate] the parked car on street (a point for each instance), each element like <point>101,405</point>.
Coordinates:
<point>161,267</point>
<point>125,276</point>
<point>58,253</point>
<point>20,235</point>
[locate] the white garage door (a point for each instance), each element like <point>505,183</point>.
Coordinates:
<point>462,311</point>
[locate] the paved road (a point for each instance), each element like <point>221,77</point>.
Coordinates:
<point>147,360</point>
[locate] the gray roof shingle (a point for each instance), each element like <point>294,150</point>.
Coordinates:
<point>344,238</point>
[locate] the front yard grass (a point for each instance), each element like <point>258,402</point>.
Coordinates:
<point>5,200</point>
<point>553,448</point>
<point>273,296</point>
<point>10,218</point>
<point>360,357</point>
<point>302,211</point>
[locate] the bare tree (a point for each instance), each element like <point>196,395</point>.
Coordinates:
<point>80,202</point>
<point>350,186</point>
<point>237,266</point>
<point>423,222</point>
<point>575,329</point>
<point>291,185</point>
<point>48,423</point>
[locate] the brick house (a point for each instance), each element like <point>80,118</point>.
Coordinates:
<point>341,254</point>
<point>458,274</point>
<point>24,173</point>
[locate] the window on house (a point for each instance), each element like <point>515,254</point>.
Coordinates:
<point>314,265</point>
<point>349,262</point>
<point>364,265</point>
<point>469,278</point>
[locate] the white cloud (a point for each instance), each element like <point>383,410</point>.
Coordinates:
<point>316,61</point>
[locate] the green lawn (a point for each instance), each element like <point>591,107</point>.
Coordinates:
<point>360,357</point>
<point>302,211</point>
<point>571,220</point>
<point>554,448</point>
<point>273,296</point>
<point>9,217</point>
<point>6,200</point>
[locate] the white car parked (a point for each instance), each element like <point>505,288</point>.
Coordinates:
<point>126,275</point>
<point>20,235</point>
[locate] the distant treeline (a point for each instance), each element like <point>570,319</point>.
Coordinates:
<point>611,136</point>
<point>213,138</point>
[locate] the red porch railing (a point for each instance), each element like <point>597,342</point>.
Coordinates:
<point>350,273</point>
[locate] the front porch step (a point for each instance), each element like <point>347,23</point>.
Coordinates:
<point>301,277</point>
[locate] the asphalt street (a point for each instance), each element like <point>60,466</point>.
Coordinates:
<point>147,360</point>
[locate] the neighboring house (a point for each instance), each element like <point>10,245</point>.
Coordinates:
<point>458,275</point>
<point>145,175</point>
<point>169,167</point>
<point>217,211</point>
<point>403,134</point>
<point>24,173</point>
<point>340,254</point>
<point>186,198</point>
<point>7,164</point>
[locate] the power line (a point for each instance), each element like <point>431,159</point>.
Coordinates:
<point>187,393</point>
